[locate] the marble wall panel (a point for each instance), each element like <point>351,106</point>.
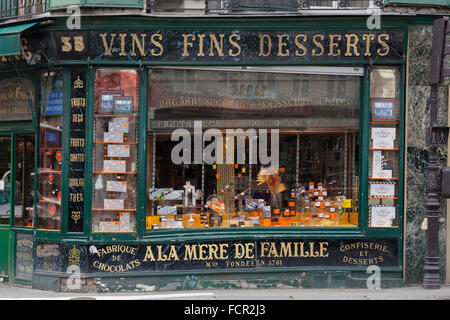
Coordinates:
<point>418,118</point>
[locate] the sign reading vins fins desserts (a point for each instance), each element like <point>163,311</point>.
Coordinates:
<point>231,45</point>
<point>76,151</point>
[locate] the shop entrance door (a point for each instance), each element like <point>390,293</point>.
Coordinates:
<point>24,180</point>
<point>5,204</point>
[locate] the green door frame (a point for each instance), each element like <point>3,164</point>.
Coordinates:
<point>11,228</point>
<point>7,227</point>
<point>16,229</point>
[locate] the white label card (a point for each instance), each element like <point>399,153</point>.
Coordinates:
<point>113,204</point>
<point>382,216</point>
<point>383,138</point>
<point>114,165</point>
<point>118,150</point>
<point>116,186</point>
<point>382,190</point>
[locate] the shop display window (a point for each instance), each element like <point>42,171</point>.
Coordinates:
<point>384,148</point>
<point>24,180</point>
<point>50,152</point>
<point>5,182</point>
<point>114,200</point>
<point>240,148</point>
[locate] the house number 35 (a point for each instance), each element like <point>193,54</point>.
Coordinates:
<point>75,43</point>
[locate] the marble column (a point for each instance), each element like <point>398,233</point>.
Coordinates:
<point>417,119</point>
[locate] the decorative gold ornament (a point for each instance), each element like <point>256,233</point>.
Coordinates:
<point>75,215</point>
<point>271,176</point>
<point>74,256</point>
<point>78,83</point>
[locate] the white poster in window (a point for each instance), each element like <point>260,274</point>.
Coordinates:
<point>377,166</point>
<point>382,189</point>
<point>382,216</point>
<point>383,138</point>
<point>118,150</point>
<point>118,126</point>
<point>113,204</point>
<point>116,186</point>
<point>125,222</point>
<point>113,137</point>
<point>114,165</point>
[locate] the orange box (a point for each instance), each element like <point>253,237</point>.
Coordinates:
<point>283,221</point>
<point>151,220</point>
<point>266,222</point>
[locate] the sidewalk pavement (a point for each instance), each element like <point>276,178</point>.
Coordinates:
<point>16,292</point>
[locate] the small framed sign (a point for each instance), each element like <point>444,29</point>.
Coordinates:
<point>123,105</point>
<point>383,109</point>
<point>106,104</point>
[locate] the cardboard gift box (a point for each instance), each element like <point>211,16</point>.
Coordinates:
<point>166,210</point>
<point>266,212</point>
<point>165,194</point>
<point>125,221</point>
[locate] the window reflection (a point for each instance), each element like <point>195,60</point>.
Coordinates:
<point>50,153</point>
<point>309,122</point>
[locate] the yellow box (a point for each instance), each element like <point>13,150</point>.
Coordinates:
<point>347,203</point>
<point>354,218</point>
<point>151,220</point>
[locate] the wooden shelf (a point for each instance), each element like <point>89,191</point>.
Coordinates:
<point>51,201</point>
<point>103,172</point>
<point>385,149</point>
<point>115,115</point>
<point>382,198</point>
<point>113,231</point>
<point>101,142</point>
<point>383,178</point>
<point>384,122</point>
<point>127,210</point>
<point>49,171</point>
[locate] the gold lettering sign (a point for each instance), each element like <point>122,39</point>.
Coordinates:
<point>219,44</point>
<point>242,254</point>
<point>16,99</point>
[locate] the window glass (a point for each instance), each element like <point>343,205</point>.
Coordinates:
<point>5,176</point>
<point>384,147</point>
<point>245,149</point>
<point>114,201</point>
<point>24,180</point>
<point>50,152</point>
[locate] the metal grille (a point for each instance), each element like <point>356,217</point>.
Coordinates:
<point>23,8</point>
<point>236,6</point>
<point>17,8</point>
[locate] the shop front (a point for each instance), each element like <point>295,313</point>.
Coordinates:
<point>211,157</point>
<point>17,167</point>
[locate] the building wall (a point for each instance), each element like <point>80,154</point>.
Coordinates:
<point>417,119</point>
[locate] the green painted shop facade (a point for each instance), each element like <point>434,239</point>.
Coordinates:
<point>54,236</point>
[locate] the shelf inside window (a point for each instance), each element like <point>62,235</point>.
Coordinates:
<point>383,198</point>
<point>102,142</point>
<point>56,201</point>
<point>127,210</point>
<point>115,115</point>
<point>385,122</point>
<point>103,172</point>
<point>49,171</point>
